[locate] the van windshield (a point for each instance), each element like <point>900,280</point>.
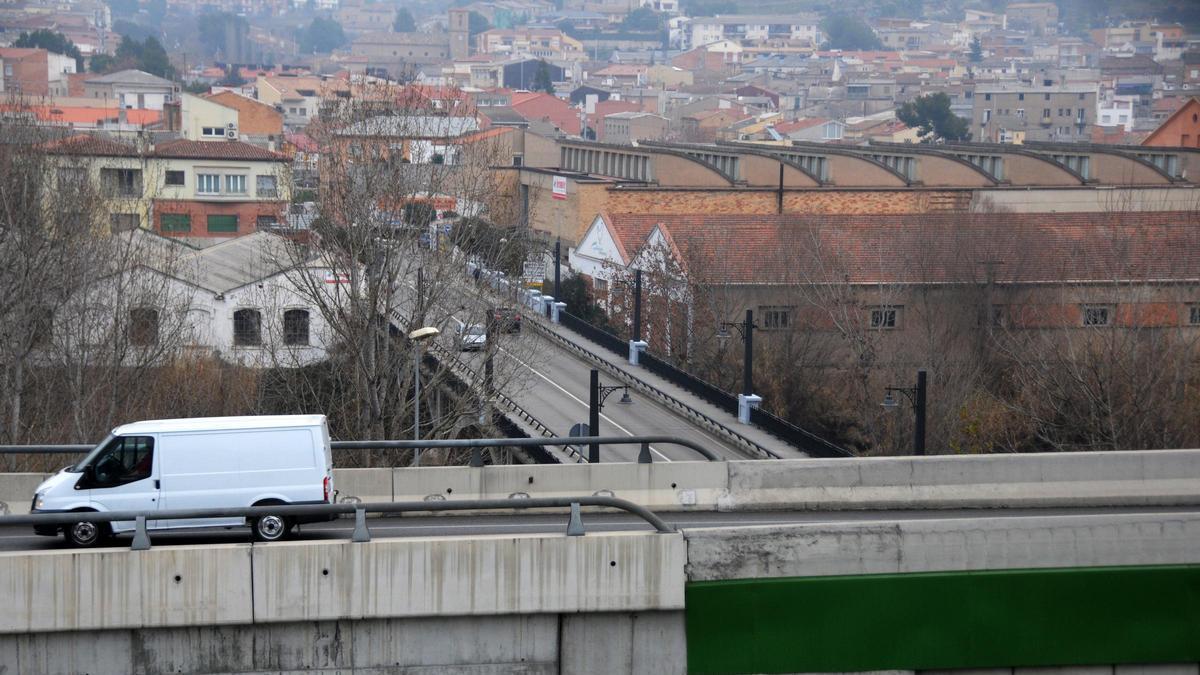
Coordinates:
<point>78,468</point>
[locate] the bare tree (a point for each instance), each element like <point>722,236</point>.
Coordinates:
<point>391,165</point>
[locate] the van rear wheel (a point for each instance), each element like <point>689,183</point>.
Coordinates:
<point>84,534</point>
<point>271,527</point>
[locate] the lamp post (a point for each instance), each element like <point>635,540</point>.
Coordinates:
<point>597,394</point>
<point>417,337</point>
<point>747,401</point>
<point>916,398</point>
<point>636,344</point>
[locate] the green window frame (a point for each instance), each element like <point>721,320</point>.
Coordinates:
<point>218,223</point>
<point>176,222</point>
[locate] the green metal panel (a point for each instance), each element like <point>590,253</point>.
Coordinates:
<point>176,222</point>
<point>995,618</point>
<point>222,223</point>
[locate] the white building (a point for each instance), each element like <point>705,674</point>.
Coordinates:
<point>754,28</point>
<point>244,300</point>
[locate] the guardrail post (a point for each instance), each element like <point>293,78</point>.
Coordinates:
<point>141,539</point>
<point>575,524</point>
<point>476,456</point>
<point>361,533</point>
<point>644,456</point>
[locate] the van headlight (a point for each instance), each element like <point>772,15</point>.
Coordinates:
<point>38,501</point>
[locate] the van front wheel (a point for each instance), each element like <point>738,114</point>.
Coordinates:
<point>271,528</point>
<point>84,534</point>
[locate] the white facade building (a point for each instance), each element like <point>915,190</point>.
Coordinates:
<point>752,28</point>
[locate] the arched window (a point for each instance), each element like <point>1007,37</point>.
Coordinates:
<point>247,328</point>
<point>295,327</point>
<point>143,326</point>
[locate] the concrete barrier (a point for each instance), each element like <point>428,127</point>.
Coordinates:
<point>674,486</point>
<point>16,491</point>
<point>363,485</point>
<point>942,545</point>
<point>114,588</point>
<point>1148,477</point>
<point>451,576</point>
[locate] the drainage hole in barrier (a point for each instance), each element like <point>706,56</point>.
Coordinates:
<point>449,490</point>
<point>612,563</point>
<point>325,573</point>
<point>672,486</point>
<point>178,578</point>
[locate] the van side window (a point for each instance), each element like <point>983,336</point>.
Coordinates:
<point>126,459</point>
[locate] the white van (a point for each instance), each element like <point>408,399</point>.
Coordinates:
<point>200,463</point>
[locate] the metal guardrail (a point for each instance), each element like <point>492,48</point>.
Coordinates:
<point>667,399</point>
<point>141,538</point>
<point>472,443</point>
<point>807,441</point>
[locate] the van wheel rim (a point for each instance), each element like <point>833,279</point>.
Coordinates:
<point>271,526</point>
<point>84,531</point>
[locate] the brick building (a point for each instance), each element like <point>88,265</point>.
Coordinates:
<point>1180,130</point>
<point>182,188</point>
<point>35,72</point>
<point>817,178</point>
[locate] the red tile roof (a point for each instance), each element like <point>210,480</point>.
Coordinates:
<point>926,248</point>
<point>86,144</point>
<point>535,107</point>
<point>185,149</point>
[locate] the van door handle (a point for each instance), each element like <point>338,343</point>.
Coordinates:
<point>157,484</point>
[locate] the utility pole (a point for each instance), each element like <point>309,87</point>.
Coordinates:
<point>919,405</point>
<point>637,345</point>
<point>558,270</point>
<point>594,416</point>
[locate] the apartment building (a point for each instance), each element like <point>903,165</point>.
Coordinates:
<point>1046,112</point>
<point>181,188</point>
<point>132,89</point>
<point>545,43</point>
<point>35,72</point>
<point>753,28</point>
<point>625,127</point>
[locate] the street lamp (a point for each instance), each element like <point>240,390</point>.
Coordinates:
<point>417,337</point>
<point>747,401</point>
<point>916,398</point>
<point>597,395</point>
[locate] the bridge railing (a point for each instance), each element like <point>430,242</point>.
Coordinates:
<point>475,444</point>
<point>361,533</point>
<point>810,443</point>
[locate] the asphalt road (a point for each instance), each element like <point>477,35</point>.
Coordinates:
<point>553,384</point>
<point>22,538</point>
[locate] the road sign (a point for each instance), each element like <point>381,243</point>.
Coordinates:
<point>534,271</point>
<point>559,187</point>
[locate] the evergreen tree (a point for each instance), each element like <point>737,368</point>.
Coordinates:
<point>51,41</point>
<point>541,81</point>
<point>851,33</point>
<point>976,50</point>
<point>322,36</point>
<point>404,23</point>
<point>932,116</point>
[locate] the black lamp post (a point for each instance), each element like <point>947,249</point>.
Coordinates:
<point>636,344</point>
<point>747,400</point>
<point>597,394</point>
<point>916,398</point>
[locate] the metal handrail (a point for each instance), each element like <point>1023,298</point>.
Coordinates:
<point>141,540</point>
<point>440,443</point>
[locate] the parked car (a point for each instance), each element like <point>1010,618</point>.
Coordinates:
<point>508,319</point>
<point>199,463</point>
<point>472,338</point>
